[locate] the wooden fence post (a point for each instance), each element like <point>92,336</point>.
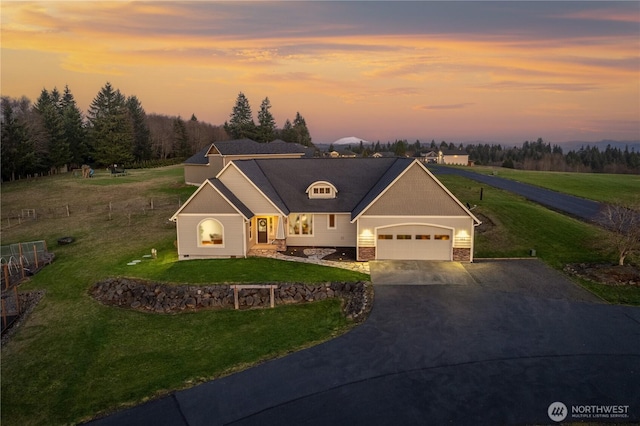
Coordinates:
<point>15,294</point>
<point>236,303</point>
<point>35,255</point>
<point>5,270</point>
<point>21,261</point>
<point>4,315</point>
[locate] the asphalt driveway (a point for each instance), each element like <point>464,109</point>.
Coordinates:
<point>498,349</point>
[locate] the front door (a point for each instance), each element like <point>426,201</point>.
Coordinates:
<point>263,236</point>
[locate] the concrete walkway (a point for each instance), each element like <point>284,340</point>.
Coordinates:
<point>498,350</point>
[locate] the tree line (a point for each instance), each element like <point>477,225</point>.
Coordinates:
<point>538,155</point>
<point>52,134</point>
<point>241,124</point>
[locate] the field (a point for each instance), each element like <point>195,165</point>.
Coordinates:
<point>75,358</point>
<point>603,187</point>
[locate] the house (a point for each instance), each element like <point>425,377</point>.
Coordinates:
<point>214,157</point>
<point>430,157</point>
<point>383,154</point>
<point>387,208</point>
<point>343,153</point>
<point>453,157</point>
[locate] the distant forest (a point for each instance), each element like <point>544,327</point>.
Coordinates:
<point>52,135</point>
<point>537,155</point>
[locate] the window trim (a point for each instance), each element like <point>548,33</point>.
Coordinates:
<point>200,241</point>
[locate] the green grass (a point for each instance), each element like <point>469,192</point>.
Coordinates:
<point>74,358</point>
<point>521,225</point>
<point>602,187</point>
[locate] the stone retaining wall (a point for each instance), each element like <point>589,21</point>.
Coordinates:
<point>165,298</point>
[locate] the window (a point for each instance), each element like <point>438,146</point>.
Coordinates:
<point>332,221</point>
<point>385,237</point>
<point>403,237</point>
<point>423,237</point>
<point>440,237</point>
<point>211,233</point>
<point>300,224</point>
<point>322,189</point>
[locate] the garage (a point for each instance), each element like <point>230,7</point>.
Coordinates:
<point>414,242</point>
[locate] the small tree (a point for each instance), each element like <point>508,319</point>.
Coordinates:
<point>623,220</point>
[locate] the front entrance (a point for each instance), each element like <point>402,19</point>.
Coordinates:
<point>263,230</point>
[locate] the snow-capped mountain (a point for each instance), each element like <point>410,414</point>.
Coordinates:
<point>351,140</point>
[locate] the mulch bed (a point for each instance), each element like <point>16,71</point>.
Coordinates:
<point>607,274</point>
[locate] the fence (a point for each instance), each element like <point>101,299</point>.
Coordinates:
<point>18,260</point>
<point>138,205</point>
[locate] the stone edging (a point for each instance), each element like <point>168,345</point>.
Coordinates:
<point>164,298</point>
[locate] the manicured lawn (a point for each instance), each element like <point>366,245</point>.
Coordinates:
<point>594,186</point>
<point>74,358</point>
<point>520,225</point>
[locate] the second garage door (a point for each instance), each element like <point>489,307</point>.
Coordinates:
<point>414,242</point>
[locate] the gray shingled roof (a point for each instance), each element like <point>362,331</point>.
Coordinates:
<point>356,179</point>
<point>199,157</point>
<point>226,192</point>
<point>246,147</point>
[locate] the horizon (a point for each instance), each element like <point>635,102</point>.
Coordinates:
<point>504,72</point>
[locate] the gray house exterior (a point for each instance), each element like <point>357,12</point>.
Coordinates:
<point>388,208</point>
<point>210,160</point>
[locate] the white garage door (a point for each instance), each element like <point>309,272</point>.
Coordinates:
<point>414,242</point>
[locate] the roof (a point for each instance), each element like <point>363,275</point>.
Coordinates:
<point>246,147</point>
<point>453,152</point>
<point>230,196</point>
<point>357,180</point>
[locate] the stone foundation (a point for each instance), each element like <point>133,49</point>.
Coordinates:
<point>462,254</point>
<point>366,253</point>
<point>280,245</point>
<point>169,299</point>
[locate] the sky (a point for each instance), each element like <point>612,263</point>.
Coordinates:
<point>501,72</point>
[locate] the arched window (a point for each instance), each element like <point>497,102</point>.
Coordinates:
<point>210,233</point>
<point>322,189</point>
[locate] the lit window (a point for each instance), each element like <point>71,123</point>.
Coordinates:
<point>211,233</point>
<point>440,237</point>
<point>403,237</point>
<point>385,237</point>
<point>423,237</point>
<point>300,224</point>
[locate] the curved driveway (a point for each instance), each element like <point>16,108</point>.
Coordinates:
<point>575,206</point>
<point>493,342</point>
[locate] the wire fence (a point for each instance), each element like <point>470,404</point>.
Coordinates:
<point>137,205</point>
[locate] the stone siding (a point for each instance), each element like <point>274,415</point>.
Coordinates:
<point>462,254</point>
<point>366,253</point>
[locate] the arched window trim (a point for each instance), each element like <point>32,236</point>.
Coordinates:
<point>213,242</point>
<point>322,189</point>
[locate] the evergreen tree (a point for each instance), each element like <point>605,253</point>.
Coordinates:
<point>110,130</point>
<point>301,131</point>
<point>74,129</point>
<point>287,133</point>
<point>266,123</point>
<point>181,146</point>
<point>49,108</point>
<point>241,123</point>
<point>17,153</point>
<point>141,134</point>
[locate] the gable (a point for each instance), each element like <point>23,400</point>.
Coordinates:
<point>416,193</point>
<point>245,190</point>
<point>208,200</point>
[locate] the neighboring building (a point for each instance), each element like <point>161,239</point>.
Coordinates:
<point>214,157</point>
<point>383,154</point>
<point>343,153</point>
<point>430,157</point>
<point>387,208</point>
<point>453,157</point>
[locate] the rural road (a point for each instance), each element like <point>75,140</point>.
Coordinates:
<point>492,342</point>
<point>581,208</point>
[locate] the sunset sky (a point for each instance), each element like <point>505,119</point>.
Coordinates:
<point>501,72</point>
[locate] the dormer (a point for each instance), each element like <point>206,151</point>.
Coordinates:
<point>322,189</point>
